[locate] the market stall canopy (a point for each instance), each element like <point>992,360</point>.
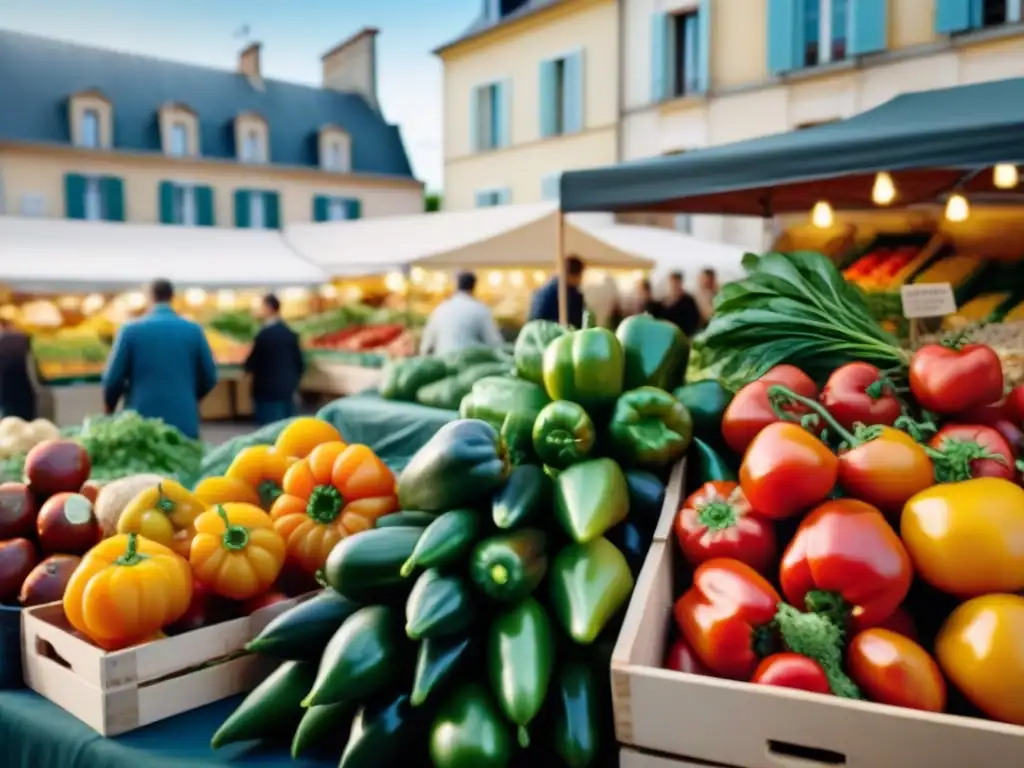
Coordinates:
<point>60,255</point>
<point>500,236</point>
<point>926,140</point>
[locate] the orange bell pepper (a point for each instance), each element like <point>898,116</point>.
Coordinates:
<point>165,514</point>
<point>236,552</point>
<point>262,469</point>
<point>126,589</point>
<point>224,490</point>
<point>337,491</point>
<point>304,434</point>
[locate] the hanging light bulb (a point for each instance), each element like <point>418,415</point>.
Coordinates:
<point>957,208</point>
<point>822,216</point>
<point>1005,176</point>
<point>884,191</point>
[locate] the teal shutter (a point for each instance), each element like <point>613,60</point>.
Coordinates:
<point>661,45</point>
<point>242,208</point>
<point>704,46</point>
<point>783,37</point>
<point>320,208</point>
<point>1014,12</point>
<point>869,27</point>
<point>166,197</point>
<point>504,196</point>
<point>271,210</point>
<point>572,93</point>
<point>353,209</point>
<point>205,216</point>
<point>503,114</point>
<point>549,186</point>
<point>548,107</point>
<point>112,195</point>
<point>74,196</point>
<point>474,119</point>
<point>954,15</point>
<point>482,199</point>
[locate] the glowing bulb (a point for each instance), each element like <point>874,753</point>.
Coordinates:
<point>1005,176</point>
<point>822,216</point>
<point>518,278</point>
<point>495,279</point>
<point>394,282</point>
<point>328,291</point>
<point>884,191</point>
<point>255,303</point>
<point>93,303</point>
<point>136,301</point>
<point>957,208</point>
<point>539,276</point>
<point>225,299</point>
<point>294,293</point>
<point>195,297</point>
<point>417,274</point>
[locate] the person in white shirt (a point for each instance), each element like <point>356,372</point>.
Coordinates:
<point>460,322</point>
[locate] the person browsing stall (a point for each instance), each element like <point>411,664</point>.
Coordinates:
<point>680,307</point>
<point>544,305</point>
<point>17,393</point>
<point>275,364</point>
<point>707,289</point>
<point>460,321</point>
<point>161,365</point>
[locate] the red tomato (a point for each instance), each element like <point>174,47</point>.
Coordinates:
<point>681,658</point>
<point>855,393</point>
<point>892,669</point>
<point>1011,433</point>
<point>902,623</point>
<point>887,470</point>
<point>751,410</point>
<point>846,561</point>
<point>718,521</point>
<point>947,381</point>
<point>262,601</point>
<point>1015,405</point>
<point>791,670</point>
<point>786,470</point>
<point>988,415</point>
<point>972,450</point>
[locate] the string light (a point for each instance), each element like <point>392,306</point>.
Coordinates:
<point>884,191</point>
<point>957,208</point>
<point>1005,176</point>
<point>822,216</point>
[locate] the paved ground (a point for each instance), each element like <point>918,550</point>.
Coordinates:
<point>217,432</point>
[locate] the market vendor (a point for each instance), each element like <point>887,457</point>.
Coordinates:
<point>460,322</point>
<point>545,300</point>
<point>275,365</point>
<point>17,395</point>
<point>680,307</point>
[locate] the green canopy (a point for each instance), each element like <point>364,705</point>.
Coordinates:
<point>928,141</point>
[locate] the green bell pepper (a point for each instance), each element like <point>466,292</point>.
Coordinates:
<point>563,434</point>
<point>446,393</point>
<point>493,398</point>
<point>649,428</point>
<point>471,375</point>
<point>525,496</point>
<point>590,498</point>
<point>402,379</point>
<point>464,358</point>
<point>709,465</point>
<point>589,584</point>
<point>585,367</point>
<point>531,342</point>
<point>508,566</point>
<point>706,401</point>
<point>656,352</point>
<point>469,731</point>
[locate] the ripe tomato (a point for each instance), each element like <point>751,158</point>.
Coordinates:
<point>857,393</point>
<point>791,670</point>
<point>751,410</point>
<point>1015,405</point>
<point>886,470</point>
<point>681,658</point>
<point>972,450</point>
<point>902,623</point>
<point>947,381</point>
<point>893,669</point>
<point>718,521</point>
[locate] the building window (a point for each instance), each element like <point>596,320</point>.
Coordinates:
<point>685,41</point>
<point>93,199</point>
<point>184,202</point>
<point>335,158</point>
<point>179,140</point>
<point>561,95</point>
<point>994,13</point>
<point>550,186</point>
<point>257,220</point>
<point>252,149</point>
<point>90,129</point>
<point>826,31</point>
<point>683,223</point>
<point>487,115</point>
<point>489,198</point>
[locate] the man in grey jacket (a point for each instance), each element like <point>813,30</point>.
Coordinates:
<point>460,322</point>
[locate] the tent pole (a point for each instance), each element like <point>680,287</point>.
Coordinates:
<point>563,286</point>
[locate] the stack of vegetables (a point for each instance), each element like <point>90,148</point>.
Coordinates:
<point>475,625</point>
<point>361,335</point>
<point>870,544</point>
<point>442,382</point>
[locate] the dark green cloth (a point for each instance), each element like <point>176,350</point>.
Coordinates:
<point>37,734</point>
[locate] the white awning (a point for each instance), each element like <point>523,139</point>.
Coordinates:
<point>501,236</point>
<point>38,254</point>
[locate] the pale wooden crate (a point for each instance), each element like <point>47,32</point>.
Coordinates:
<point>675,492</point>
<point>750,726</point>
<point>633,758</point>
<point>119,691</point>
<point>326,377</point>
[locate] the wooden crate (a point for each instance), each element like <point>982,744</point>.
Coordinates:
<point>633,758</point>
<point>749,726</point>
<point>339,379</point>
<point>674,495</point>
<point>117,692</point>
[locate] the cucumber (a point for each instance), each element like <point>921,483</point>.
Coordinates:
<point>303,632</point>
<point>322,728</point>
<point>272,706</point>
<point>378,735</point>
<point>526,495</point>
<point>576,714</point>
<point>509,566</point>
<point>367,567</point>
<point>446,540</point>
<point>436,661</point>
<point>408,519</point>
<point>437,606</point>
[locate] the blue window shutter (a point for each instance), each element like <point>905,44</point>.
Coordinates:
<point>320,204</point>
<point>74,196</point>
<point>548,108</point>
<point>482,199</point>
<point>504,196</point>
<point>354,209</point>
<point>954,15</point>
<point>271,210</point>
<point>869,27</point>
<point>572,93</point>
<point>503,113</point>
<point>166,195</point>
<point>205,216</point>
<point>660,47</point>
<point>474,119</point>
<point>550,186</point>
<point>112,195</point>
<point>704,46</point>
<point>242,209</point>
<point>783,45</point>
<point>1013,13</point>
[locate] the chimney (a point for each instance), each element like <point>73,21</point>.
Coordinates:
<point>249,64</point>
<point>351,66</point>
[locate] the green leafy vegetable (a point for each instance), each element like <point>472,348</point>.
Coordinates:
<point>127,444</point>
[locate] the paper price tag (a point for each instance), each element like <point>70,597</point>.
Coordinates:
<point>927,300</point>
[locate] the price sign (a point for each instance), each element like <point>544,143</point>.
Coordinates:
<point>927,300</point>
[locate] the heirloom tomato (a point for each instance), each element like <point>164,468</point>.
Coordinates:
<point>786,470</point>
<point>858,393</point>
<point>751,410</point>
<point>963,451</point>
<point>892,669</point>
<point>791,670</point>
<point>948,380</point>
<point>718,521</point>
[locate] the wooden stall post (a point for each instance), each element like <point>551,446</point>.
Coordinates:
<point>560,271</point>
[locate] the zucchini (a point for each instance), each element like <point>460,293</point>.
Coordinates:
<point>406,518</point>
<point>367,568</point>
<point>301,633</point>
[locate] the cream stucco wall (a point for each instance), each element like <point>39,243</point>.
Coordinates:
<point>514,53</point>
<point>40,173</point>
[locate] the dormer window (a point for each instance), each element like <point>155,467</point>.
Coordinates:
<point>179,130</point>
<point>90,129</point>
<point>335,150</point>
<point>179,140</point>
<point>251,138</point>
<point>253,148</point>
<point>90,120</point>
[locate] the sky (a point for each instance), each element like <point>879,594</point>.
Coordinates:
<point>205,32</point>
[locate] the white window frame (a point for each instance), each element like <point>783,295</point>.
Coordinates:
<point>257,211</point>
<point>177,146</point>
<point>93,203</point>
<point>184,208</point>
<point>825,31</point>
<point>90,129</point>
<point>253,150</point>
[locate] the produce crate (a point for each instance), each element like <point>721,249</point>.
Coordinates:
<point>117,692</point>
<point>674,494</point>
<point>338,379</point>
<point>736,724</point>
<point>632,758</point>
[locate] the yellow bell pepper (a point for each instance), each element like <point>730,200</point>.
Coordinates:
<point>979,649</point>
<point>126,589</point>
<point>165,514</point>
<point>221,490</point>
<point>236,552</point>
<point>262,468</point>
<point>964,538</point>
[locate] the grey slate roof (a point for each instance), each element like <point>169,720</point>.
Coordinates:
<point>40,74</point>
<point>483,24</point>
